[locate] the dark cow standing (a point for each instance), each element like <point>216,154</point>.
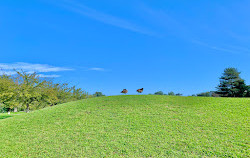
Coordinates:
<point>124,91</point>
<point>140,90</point>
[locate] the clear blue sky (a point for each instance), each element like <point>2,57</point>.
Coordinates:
<point>181,46</point>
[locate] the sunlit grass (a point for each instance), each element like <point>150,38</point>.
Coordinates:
<point>131,126</point>
<point>6,115</point>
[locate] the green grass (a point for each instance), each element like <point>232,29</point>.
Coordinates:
<point>131,126</point>
<point>6,115</point>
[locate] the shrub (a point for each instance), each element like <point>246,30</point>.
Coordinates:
<point>159,93</point>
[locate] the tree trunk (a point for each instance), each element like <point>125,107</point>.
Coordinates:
<point>15,109</point>
<point>28,108</point>
<point>8,109</point>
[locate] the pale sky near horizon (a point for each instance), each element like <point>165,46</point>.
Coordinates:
<point>181,46</point>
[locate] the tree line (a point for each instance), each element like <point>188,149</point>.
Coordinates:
<point>169,93</point>
<point>25,91</point>
<point>231,85</point>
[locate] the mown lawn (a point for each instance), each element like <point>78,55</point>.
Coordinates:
<point>6,115</point>
<point>131,126</point>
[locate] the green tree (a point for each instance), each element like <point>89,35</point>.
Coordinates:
<point>8,92</point>
<point>178,94</point>
<point>29,89</point>
<point>231,84</point>
<point>49,94</point>
<point>240,88</point>
<point>98,94</point>
<point>248,91</point>
<point>159,93</point>
<point>78,93</point>
<point>171,93</point>
<point>204,94</point>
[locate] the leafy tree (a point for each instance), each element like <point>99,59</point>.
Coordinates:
<point>29,89</point>
<point>240,88</point>
<point>204,94</point>
<point>78,93</point>
<point>49,94</point>
<point>98,94</point>
<point>248,91</point>
<point>231,85</point>
<point>171,93</point>
<point>8,92</point>
<point>32,92</point>
<point>159,93</point>
<point>178,94</point>
<point>2,109</point>
<point>63,92</point>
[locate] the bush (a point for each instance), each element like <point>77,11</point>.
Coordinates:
<point>2,109</point>
<point>98,94</point>
<point>31,92</point>
<point>205,94</point>
<point>178,94</point>
<point>171,93</point>
<point>159,93</point>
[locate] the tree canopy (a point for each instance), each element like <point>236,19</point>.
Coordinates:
<point>159,93</point>
<point>29,91</point>
<point>98,94</point>
<point>231,84</point>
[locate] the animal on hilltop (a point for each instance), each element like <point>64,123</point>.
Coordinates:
<point>140,90</point>
<point>124,91</point>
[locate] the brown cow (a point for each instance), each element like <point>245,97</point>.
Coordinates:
<point>140,90</point>
<point>124,91</point>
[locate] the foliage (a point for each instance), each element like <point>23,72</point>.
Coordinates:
<point>231,84</point>
<point>248,91</point>
<point>131,126</point>
<point>204,94</point>
<point>159,93</point>
<point>8,92</point>
<point>171,93</point>
<point>2,109</point>
<point>29,91</point>
<point>98,94</point>
<point>178,94</point>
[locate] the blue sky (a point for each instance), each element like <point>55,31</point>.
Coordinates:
<point>181,46</point>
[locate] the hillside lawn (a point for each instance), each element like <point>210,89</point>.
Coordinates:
<point>6,115</point>
<point>131,126</point>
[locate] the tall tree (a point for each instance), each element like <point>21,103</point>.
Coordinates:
<point>29,89</point>
<point>98,94</point>
<point>240,88</point>
<point>49,94</point>
<point>231,84</point>
<point>248,91</point>
<point>178,94</point>
<point>171,93</point>
<point>204,94</point>
<point>8,92</point>
<point>159,93</point>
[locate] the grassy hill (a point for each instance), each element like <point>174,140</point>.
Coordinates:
<point>131,126</point>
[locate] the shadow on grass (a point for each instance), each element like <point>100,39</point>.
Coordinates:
<point>4,117</point>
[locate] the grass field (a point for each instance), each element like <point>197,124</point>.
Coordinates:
<point>5,115</point>
<point>131,126</point>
